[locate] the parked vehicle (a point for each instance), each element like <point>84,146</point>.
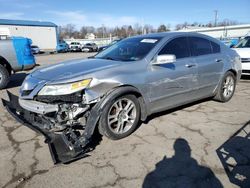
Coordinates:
<point>90,47</point>
<point>230,42</point>
<point>243,49</point>
<point>122,85</point>
<point>75,47</point>
<point>105,47</point>
<point>62,47</point>
<point>15,55</point>
<point>35,49</point>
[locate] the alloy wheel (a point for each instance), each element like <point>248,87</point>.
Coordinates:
<point>121,116</point>
<point>228,86</point>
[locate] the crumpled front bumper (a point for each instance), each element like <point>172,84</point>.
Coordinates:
<point>61,149</point>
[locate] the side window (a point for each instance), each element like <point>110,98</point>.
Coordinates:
<point>215,47</point>
<point>177,47</point>
<point>200,46</point>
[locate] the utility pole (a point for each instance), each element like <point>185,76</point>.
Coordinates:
<point>102,30</point>
<point>215,18</point>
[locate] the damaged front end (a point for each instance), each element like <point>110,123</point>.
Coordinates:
<point>68,126</point>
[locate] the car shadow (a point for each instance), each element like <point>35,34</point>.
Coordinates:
<point>16,80</point>
<point>180,171</point>
<point>96,140</point>
<point>234,155</point>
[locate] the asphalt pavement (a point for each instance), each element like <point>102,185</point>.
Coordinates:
<point>190,146</point>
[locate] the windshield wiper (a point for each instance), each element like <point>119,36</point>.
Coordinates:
<point>110,58</point>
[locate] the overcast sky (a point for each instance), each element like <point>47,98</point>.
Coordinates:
<point>126,12</point>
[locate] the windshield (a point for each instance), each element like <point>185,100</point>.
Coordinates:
<point>244,43</point>
<point>131,49</point>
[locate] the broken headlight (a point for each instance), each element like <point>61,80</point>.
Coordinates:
<point>64,89</point>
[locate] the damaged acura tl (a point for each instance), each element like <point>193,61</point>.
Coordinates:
<point>121,86</point>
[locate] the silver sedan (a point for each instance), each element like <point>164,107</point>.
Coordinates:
<point>126,83</point>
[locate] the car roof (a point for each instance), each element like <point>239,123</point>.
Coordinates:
<point>175,34</point>
<point>172,34</point>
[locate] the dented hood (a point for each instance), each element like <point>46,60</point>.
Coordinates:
<point>73,69</point>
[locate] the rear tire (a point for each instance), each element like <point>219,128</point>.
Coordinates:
<point>120,117</point>
<point>4,77</point>
<point>226,88</point>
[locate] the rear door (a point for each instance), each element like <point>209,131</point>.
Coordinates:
<point>209,62</point>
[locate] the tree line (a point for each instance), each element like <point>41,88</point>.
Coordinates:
<point>70,30</point>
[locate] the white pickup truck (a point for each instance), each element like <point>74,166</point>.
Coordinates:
<point>15,55</point>
<point>243,49</point>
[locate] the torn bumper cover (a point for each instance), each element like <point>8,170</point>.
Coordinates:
<point>66,146</point>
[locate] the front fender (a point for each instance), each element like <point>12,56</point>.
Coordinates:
<point>97,110</point>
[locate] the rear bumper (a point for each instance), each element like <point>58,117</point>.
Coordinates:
<point>29,67</point>
<point>246,68</point>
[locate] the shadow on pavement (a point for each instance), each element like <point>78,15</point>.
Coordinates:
<point>180,171</point>
<point>16,80</point>
<point>166,112</point>
<point>234,155</point>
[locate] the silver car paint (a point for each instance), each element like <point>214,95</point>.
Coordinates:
<point>161,86</point>
<point>7,51</point>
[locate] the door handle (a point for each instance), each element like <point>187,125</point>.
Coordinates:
<point>218,60</point>
<point>190,65</point>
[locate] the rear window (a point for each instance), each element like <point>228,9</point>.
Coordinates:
<point>215,47</point>
<point>200,46</point>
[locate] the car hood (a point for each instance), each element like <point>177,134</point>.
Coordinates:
<point>243,52</point>
<point>72,69</point>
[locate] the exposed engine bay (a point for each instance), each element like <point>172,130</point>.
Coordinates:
<point>63,124</point>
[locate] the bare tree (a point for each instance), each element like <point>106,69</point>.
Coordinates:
<point>68,30</point>
<point>130,31</point>
<point>83,31</point>
<point>162,28</point>
<point>149,28</point>
<point>227,22</point>
<point>137,29</point>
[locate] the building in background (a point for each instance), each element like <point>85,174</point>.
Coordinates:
<point>90,36</point>
<point>43,34</point>
<point>224,32</point>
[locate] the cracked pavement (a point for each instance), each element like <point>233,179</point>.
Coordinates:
<point>25,160</point>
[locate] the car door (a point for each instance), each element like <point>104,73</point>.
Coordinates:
<point>173,83</point>
<point>209,62</point>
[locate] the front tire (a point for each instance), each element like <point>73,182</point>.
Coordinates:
<point>226,88</point>
<point>120,117</point>
<point>4,77</point>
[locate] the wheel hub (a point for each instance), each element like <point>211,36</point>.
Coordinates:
<point>121,116</point>
<point>228,87</point>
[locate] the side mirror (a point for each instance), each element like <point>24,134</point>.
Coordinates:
<point>164,59</point>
